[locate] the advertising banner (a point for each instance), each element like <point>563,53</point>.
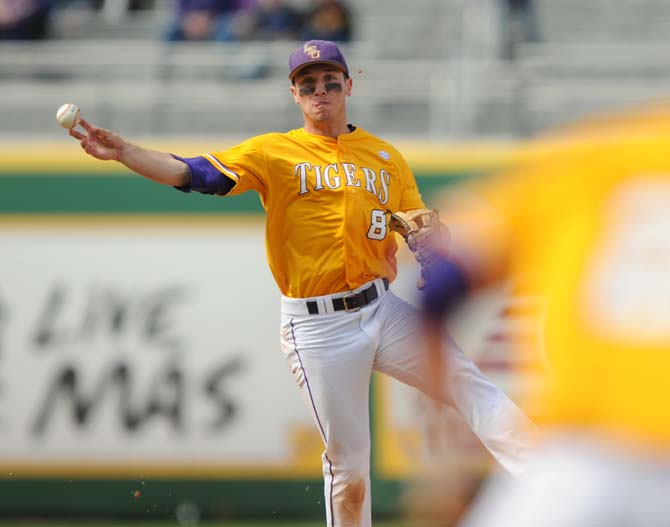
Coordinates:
<point>146,347</point>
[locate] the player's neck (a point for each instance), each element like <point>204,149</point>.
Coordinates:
<point>328,129</point>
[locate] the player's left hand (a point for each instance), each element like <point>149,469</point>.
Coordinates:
<point>426,237</point>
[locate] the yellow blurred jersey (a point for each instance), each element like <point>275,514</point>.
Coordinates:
<point>589,229</point>
<point>326,201</point>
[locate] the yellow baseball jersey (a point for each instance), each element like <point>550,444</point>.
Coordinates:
<point>326,201</point>
<point>590,233</point>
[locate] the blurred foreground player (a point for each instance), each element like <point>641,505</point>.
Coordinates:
<point>588,231</point>
<point>327,189</point>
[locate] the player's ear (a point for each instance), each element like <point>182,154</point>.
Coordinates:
<point>294,92</point>
<point>347,86</point>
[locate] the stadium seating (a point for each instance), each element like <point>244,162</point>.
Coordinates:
<point>429,68</point>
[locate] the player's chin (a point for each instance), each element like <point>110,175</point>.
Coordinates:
<point>321,116</point>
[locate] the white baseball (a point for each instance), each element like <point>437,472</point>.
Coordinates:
<point>68,115</point>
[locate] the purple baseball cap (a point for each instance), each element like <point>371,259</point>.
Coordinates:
<point>316,52</point>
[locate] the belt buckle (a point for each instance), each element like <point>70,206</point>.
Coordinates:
<point>346,303</point>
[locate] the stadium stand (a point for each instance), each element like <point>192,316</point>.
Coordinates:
<point>431,69</point>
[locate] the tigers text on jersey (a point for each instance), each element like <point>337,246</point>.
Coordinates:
<point>326,201</point>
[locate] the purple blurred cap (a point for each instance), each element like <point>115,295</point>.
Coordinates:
<point>316,52</point>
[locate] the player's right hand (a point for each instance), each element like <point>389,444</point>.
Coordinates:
<point>98,142</point>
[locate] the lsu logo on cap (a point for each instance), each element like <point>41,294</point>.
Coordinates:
<point>312,51</point>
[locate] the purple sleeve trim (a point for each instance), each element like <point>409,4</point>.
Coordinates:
<point>204,177</point>
<point>446,287</point>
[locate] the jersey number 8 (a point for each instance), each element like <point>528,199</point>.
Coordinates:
<point>377,229</point>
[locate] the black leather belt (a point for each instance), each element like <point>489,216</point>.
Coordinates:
<point>351,302</point>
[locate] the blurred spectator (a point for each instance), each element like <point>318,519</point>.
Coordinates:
<point>274,20</point>
<point>206,20</point>
<point>519,25</point>
<point>581,228</point>
<point>24,19</point>
<point>328,20</point>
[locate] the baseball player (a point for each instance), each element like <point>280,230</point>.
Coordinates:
<point>585,229</point>
<point>327,189</point>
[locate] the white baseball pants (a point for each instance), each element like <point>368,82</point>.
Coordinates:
<point>332,355</point>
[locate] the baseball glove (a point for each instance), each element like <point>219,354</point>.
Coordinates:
<point>425,235</point>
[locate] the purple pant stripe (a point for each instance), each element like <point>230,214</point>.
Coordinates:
<point>318,420</point>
